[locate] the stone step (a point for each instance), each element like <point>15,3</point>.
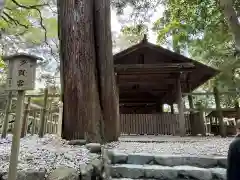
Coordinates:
<point>167,160</point>
<point>130,179</point>
<point>134,171</point>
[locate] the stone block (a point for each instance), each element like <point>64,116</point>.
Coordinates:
<point>139,158</point>
<point>196,173</point>
<point>160,172</point>
<point>177,160</point>
<point>63,173</point>
<point>222,162</point>
<point>119,158</point>
<point>127,171</point>
<point>78,142</point>
<point>86,171</point>
<point>219,173</point>
<point>94,147</point>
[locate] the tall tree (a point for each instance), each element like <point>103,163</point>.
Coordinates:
<point>90,94</point>
<point>232,15</point>
<point>229,8</point>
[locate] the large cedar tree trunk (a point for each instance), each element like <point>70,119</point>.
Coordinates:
<point>90,100</point>
<point>108,89</point>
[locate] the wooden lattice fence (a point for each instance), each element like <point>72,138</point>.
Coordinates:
<point>150,124</point>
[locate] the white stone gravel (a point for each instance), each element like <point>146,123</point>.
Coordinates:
<point>46,153</point>
<point>210,146</point>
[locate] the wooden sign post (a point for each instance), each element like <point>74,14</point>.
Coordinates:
<point>59,125</point>
<point>21,77</point>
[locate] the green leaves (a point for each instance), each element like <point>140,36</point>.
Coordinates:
<point>134,34</point>
<point>25,20</point>
<point>199,27</point>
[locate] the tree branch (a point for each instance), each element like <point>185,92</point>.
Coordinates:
<point>28,7</point>
<point>15,21</point>
<point>40,16</point>
<point>231,16</point>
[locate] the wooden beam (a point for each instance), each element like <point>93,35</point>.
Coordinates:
<point>33,95</point>
<point>136,95</point>
<point>174,67</point>
<point>42,95</point>
<point>136,100</point>
<point>142,90</point>
<point>210,93</point>
<point>144,77</point>
<point>147,80</point>
<point>204,109</point>
<point>137,104</point>
<point>148,83</point>
<point>155,66</point>
<point>147,73</point>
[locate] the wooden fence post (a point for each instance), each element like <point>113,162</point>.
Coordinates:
<point>222,127</point>
<point>49,124</point>
<point>201,126</point>
<point>172,108</point>
<point>59,125</point>
<point>16,137</point>
<point>33,123</point>
<point>25,118</point>
<point>237,118</point>
<point>6,117</point>
<point>42,118</point>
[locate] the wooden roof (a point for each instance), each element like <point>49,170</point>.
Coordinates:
<point>147,73</point>
<point>227,113</point>
<point>21,55</point>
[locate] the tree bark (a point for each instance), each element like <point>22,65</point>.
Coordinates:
<point>90,92</point>
<point>233,21</point>
<point>108,89</point>
<point>82,112</point>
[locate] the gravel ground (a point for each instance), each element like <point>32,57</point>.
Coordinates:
<point>211,146</point>
<point>46,153</point>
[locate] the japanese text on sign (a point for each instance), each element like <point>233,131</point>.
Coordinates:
<point>21,75</point>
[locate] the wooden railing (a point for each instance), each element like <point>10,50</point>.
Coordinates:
<point>150,124</point>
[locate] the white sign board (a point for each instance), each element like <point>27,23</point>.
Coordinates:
<point>21,75</point>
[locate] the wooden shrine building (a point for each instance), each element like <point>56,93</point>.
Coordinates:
<point>149,76</point>
<point>229,114</point>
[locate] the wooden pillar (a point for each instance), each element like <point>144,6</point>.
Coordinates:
<point>201,124</point>
<point>6,117</point>
<point>59,123</point>
<point>33,123</point>
<point>190,100</point>
<point>191,106</point>
<point>211,123</point>
<point>159,107</point>
<point>25,118</point>
<point>180,102</point>
<point>222,127</point>
<point>42,116</point>
<point>172,108</point>
<point>237,118</point>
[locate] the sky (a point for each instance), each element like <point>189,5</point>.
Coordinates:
<point>116,25</point>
